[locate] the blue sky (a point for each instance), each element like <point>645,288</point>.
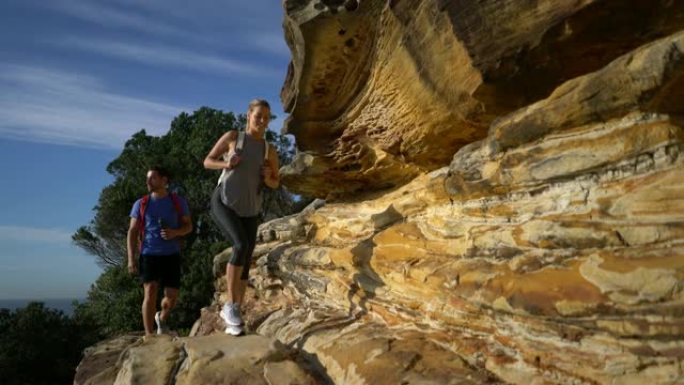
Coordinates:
<point>77,78</point>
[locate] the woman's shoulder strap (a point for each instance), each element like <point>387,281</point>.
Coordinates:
<point>240,141</point>
<point>241,144</point>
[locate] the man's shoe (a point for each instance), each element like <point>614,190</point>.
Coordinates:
<point>235,330</point>
<point>161,325</point>
<point>231,314</point>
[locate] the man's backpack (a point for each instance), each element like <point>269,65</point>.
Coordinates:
<point>141,215</point>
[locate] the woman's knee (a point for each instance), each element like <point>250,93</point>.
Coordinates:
<point>240,250</point>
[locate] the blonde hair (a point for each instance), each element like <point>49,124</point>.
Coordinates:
<point>258,103</point>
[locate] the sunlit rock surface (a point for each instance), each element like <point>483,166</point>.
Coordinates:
<point>380,91</point>
<point>215,359</point>
<point>546,246</point>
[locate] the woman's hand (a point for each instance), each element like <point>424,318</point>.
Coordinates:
<point>213,160</point>
<point>270,169</point>
<point>267,171</point>
<point>233,161</point>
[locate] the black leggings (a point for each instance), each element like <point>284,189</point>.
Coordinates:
<point>239,231</point>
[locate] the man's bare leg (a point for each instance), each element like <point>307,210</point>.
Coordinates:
<point>149,306</point>
<point>169,302</point>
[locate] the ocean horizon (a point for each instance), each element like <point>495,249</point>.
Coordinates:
<point>63,304</point>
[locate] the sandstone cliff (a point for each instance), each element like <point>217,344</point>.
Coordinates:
<point>505,195</point>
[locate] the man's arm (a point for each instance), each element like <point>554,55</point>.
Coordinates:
<point>184,229</point>
<point>186,226</point>
<point>132,243</point>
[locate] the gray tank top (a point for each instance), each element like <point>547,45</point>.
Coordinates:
<point>241,187</point>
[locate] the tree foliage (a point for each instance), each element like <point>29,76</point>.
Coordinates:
<point>39,345</point>
<point>114,302</point>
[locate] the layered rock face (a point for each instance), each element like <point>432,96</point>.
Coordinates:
<point>540,239</point>
<point>380,91</point>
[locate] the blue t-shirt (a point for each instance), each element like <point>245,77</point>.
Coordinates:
<point>158,212</point>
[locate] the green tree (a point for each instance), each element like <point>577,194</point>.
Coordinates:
<point>114,300</point>
<point>42,346</point>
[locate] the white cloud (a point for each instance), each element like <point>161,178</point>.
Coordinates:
<point>271,42</point>
<point>34,234</point>
<point>157,55</point>
<point>104,14</point>
<point>252,13</point>
<point>44,105</point>
<point>208,23</point>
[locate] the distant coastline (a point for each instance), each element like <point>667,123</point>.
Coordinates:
<point>63,304</point>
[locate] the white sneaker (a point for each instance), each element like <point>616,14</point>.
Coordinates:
<point>231,314</point>
<point>234,330</point>
<point>161,325</point>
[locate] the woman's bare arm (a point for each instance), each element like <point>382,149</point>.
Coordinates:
<point>270,173</point>
<point>213,161</point>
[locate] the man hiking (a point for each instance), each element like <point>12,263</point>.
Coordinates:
<point>158,221</point>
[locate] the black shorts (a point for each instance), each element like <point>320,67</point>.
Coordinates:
<point>164,269</point>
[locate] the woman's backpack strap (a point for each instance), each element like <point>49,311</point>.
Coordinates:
<point>240,142</point>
